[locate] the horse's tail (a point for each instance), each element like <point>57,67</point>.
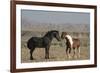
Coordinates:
<point>30,44</point>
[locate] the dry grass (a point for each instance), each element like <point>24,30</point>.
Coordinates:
<point>57,53</point>
<point>57,50</point>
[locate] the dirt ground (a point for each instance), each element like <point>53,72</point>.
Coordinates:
<point>57,53</point>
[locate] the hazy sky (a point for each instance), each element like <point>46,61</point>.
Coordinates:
<point>56,17</point>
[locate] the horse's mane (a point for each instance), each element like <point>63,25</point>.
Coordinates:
<point>50,32</point>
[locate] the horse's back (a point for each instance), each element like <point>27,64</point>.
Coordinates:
<point>76,42</point>
<point>34,41</point>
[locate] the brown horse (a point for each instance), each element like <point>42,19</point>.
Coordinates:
<point>72,44</point>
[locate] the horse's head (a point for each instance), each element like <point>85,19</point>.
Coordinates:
<point>63,35</point>
<point>56,35</point>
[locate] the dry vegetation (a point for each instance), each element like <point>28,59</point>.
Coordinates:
<point>57,49</point>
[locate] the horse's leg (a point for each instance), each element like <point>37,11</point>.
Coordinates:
<point>31,52</point>
<point>68,51</point>
<point>75,53</point>
<point>47,53</point>
<point>78,52</point>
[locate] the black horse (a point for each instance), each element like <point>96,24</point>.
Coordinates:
<point>42,42</point>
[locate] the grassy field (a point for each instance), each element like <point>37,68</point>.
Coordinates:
<point>57,49</point>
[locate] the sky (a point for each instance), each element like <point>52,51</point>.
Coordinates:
<point>55,17</point>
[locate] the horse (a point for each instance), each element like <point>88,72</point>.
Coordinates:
<point>72,44</point>
<point>42,42</point>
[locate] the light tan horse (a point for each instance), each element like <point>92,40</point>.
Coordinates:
<point>72,45</point>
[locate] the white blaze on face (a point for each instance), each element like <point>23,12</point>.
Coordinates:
<point>70,39</point>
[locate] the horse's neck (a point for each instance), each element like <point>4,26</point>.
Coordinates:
<point>70,39</point>
<point>49,36</point>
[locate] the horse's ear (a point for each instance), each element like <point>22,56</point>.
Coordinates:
<point>65,33</point>
<point>62,35</point>
<point>62,32</point>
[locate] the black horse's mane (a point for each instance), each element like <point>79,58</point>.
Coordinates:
<point>50,32</point>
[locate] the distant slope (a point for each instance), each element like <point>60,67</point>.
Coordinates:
<point>36,26</point>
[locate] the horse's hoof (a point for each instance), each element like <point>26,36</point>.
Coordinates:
<point>31,58</point>
<point>46,57</point>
